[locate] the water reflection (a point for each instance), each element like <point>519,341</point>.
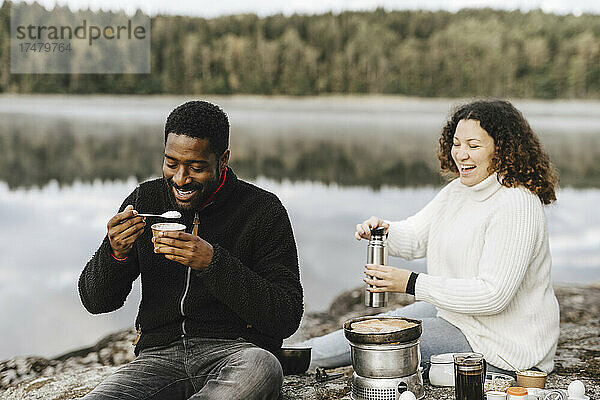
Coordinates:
<point>66,156</point>
<point>363,142</point>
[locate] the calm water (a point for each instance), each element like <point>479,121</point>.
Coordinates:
<point>49,232</point>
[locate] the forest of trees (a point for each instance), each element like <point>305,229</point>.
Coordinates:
<point>474,52</point>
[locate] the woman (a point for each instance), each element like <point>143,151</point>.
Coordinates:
<point>487,287</point>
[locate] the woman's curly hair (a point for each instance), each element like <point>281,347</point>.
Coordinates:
<point>519,159</point>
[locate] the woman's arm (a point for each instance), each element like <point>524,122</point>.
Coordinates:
<point>514,231</point>
<point>408,238</point>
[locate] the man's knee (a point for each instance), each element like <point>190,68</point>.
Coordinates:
<point>266,362</point>
<point>266,372</point>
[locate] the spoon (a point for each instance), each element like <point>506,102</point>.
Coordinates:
<point>509,364</point>
<point>168,214</point>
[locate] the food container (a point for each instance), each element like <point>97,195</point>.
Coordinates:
<point>537,394</point>
<point>495,395</point>
<point>533,379</point>
<point>498,382</point>
<point>516,393</point>
<point>294,360</point>
<point>441,372</point>
<point>167,227</point>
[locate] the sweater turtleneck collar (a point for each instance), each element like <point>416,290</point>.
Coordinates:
<point>484,189</point>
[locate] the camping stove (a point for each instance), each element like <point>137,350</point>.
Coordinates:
<point>386,388</point>
<point>385,364</point>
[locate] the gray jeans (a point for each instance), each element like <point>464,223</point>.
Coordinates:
<point>439,336</point>
<point>196,368</point>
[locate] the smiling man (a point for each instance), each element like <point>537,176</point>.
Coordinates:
<point>215,305</point>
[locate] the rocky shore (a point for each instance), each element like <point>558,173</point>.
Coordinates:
<point>72,375</point>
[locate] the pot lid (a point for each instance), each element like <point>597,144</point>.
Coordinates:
<point>402,336</point>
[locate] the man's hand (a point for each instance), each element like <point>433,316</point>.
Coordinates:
<point>123,229</point>
<point>185,248</point>
<point>391,279</point>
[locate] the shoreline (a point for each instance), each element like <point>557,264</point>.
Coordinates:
<point>314,322</point>
<point>578,354</point>
<point>325,96</point>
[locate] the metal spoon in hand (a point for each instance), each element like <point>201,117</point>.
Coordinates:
<point>168,214</point>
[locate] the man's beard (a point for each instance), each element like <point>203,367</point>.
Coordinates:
<point>203,192</point>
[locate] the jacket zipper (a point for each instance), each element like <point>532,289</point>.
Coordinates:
<point>187,286</point>
<point>187,279</point>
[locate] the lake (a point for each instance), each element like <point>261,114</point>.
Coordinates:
<point>55,206</point>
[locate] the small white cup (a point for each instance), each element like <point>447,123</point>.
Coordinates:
<point>495,395</point>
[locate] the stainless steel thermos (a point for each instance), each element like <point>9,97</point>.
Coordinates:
<point>377,253</point>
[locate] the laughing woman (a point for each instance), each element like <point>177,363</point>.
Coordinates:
<point>488,287</point>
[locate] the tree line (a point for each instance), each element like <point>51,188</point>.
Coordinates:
<point>473,52</point>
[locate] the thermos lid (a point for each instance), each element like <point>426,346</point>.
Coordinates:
<point>380,231</point>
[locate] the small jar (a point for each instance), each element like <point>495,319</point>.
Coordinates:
<point>441,372</point>
<point>516,393</point>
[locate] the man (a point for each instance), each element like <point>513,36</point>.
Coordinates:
<point>215,305</point>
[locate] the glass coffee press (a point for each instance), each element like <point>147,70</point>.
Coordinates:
<point>469,376</point>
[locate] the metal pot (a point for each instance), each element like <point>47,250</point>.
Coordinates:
<point>385,355</point>
<point>393,360</point>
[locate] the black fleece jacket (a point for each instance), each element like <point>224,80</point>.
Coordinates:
<point>251,288</point>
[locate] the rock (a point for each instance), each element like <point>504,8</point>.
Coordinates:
<point>348,305</point>
<point>305,387</point>
<point>72,375</point>
<point>113,350</point>
<point>72,384</point>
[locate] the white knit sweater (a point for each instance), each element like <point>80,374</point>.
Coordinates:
<point>488,269</point>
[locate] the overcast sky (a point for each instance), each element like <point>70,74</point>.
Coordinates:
<point>212,8</point>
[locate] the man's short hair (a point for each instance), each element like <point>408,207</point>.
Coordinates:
<point>203,120</point>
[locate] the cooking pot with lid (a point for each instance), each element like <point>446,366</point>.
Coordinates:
<point>385,355</point>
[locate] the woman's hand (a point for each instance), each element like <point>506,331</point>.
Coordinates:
<point>363,231</point>
<point>391,279</point>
